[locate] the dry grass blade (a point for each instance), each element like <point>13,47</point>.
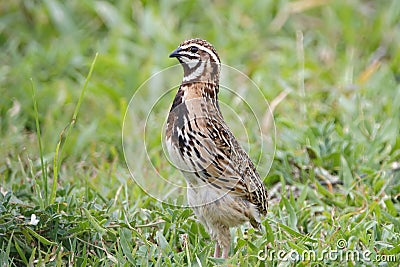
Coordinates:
<point>293,8</point>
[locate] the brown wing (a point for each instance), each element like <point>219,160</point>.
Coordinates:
<point>226,165</point>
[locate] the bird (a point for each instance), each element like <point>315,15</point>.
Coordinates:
<point>224,188</point>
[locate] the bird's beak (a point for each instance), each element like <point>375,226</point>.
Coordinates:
<point>175,53</point>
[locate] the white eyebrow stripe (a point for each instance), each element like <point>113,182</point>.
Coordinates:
<point>188,54</point>
<point>205,49</point>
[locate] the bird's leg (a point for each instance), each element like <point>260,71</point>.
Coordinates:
<point>225,252</point>
<point>217,251</point>
<point>224,238</point>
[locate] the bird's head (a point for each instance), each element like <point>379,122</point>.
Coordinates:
<point>199,59</point>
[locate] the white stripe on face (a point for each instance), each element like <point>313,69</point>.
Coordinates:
<point>196,73</point>
<point>205,49</point>
<point>191,63</point>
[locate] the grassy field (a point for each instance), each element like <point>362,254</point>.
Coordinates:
<point>329,69</point>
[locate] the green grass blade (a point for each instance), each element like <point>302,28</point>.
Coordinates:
<point>39,139</point>
<point>94,222</point>
<point>41,239</point>
<point>125,242</point>
<point>58,154</point>
<point>20,252</point>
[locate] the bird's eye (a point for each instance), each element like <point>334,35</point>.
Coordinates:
<point>194,49</point>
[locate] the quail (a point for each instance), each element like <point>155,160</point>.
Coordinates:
<point>224,188</point>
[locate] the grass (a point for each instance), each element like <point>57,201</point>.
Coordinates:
<point>335,175</point>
